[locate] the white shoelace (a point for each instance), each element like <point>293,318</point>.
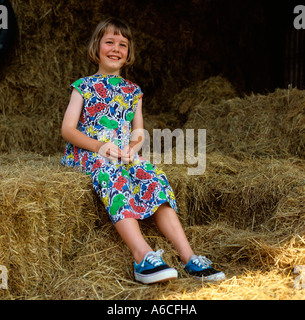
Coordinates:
<point>202,261</point>
<point>153,258</point>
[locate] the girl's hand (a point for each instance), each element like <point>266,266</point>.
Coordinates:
<point>128,154</point>
<point>110,151</point>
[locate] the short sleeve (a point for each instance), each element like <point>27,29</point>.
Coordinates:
<point>138,93</point>
<point>78,85</point>
<point>141,94</point>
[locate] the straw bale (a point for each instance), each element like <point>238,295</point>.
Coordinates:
<point>49,55</point>
<point>246,192</point>
<point>44,214</point>
<point>39,134</point>
<point>209,91</point>
<point>255,125</point>
<point>58,243</point>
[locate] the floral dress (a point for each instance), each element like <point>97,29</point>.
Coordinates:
<point>133,190</point>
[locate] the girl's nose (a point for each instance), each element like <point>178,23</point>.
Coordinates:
<point>115,48</point>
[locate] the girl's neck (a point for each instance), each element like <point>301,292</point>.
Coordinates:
<point>103,72</point>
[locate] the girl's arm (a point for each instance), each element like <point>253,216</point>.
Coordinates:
<point>69,129</point>
<point>70,132</point>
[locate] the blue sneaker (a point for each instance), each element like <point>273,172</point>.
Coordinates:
<point>200,267</point>
<point>153,269</point>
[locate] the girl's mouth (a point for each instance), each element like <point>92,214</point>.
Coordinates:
<point>114,57</point>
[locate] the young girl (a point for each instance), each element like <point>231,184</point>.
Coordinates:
<point>103,125</point>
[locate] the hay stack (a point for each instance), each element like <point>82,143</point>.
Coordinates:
<point>245,212</point>
<point>45,213</point>
<point>50,54</point>
<point>210,91</point>
<point>245,193</point>
<point>253,126</point>
<point>58,243</point>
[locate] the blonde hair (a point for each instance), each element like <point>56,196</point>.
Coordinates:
<point>119,28</point>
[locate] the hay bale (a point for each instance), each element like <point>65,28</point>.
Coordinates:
<point>245,193</point>
<point>44,213</point>
<point>210,91</point>
<point>254,126</point>
<point>55,233</point>
<point>58,243</point>
<point>38,134</point>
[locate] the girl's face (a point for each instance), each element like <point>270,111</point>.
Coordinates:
<point>113,52</point>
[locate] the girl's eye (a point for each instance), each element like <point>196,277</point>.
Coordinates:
<point>123,45</point>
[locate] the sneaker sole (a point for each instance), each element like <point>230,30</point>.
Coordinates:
<point>164,275</point>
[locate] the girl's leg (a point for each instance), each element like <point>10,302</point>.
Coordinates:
<point>169,224</point>
<point>131,234</point>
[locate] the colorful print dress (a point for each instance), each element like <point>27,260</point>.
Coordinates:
<point>133,190</point>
